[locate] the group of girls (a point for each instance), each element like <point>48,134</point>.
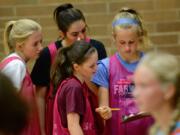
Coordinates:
<point>75,89</point>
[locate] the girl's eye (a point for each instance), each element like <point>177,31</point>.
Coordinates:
<point>92,66</point>
<point>131,42</point>
<point>35,44</point>
<point>75,34</point>
<point>122,43</point>
<point>84,30</point>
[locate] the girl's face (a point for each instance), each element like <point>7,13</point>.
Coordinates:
<point>127,42</point>
<point>32,46</point>
<point>77,31</point>
<point>148,91</point>
<point>88,68</point>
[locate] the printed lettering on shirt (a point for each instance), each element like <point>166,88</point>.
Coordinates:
<point>123,89</point>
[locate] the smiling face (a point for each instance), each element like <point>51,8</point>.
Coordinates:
<point>148,90</point>
<point>76,31</point>
<point>127,42</point>
<point>32,46</point>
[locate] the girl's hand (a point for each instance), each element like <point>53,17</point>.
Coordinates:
<point>105,112</point>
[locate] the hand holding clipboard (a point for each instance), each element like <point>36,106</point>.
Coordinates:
<point>133,117</point>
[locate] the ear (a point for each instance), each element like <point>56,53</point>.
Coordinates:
<point>140,39</point>
<point>75,67</point>
<point>61,34</point>
<point>113,35</point>
<point>19,46</point>
<point>169,92</point>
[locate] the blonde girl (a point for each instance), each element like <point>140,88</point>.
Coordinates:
<point>157,90</point>
<point>114,75</point>
<point>23,41</point>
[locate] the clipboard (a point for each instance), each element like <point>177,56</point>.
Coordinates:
<point>135,117</point>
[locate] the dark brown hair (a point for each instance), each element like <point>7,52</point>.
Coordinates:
<point>14,110</point>
<point>65,15</point>
<point>77,53</point>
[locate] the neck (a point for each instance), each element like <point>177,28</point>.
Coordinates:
<point>163,117</point>
<point>79,77</point>
<point>132,58</point>
<point>22,56</point>
<point>65,43</point>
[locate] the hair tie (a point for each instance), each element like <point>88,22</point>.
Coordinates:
<point>125,21</point>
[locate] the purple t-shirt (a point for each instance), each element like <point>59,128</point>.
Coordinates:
<point>71,99</point>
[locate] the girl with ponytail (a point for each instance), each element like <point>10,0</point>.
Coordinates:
<point>114,76</point>
<point>72,26</point>
<point>157,91</point>
<point>23,41</point>
<point>72,110</point>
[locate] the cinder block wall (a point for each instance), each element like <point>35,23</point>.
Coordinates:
<point>161,17</point>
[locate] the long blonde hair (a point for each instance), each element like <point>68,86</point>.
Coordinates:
<point>17,32</point>
<point>167,69</point>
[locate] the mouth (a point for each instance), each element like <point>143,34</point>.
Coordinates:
<point>94,72</point>
<point>38,54</point>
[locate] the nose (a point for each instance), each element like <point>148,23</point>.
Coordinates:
<point>78,39</point>
<point>127,47</point>
<point>95,68</point>
<point>40,47</point>
<point>81,36</point>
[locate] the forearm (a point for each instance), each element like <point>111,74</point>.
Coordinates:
<point>75,129</point>
<point>41,92</point>
<point>104,109</point>
<point>74,124</point>
<point>103,96</point>
<point>41,110</point>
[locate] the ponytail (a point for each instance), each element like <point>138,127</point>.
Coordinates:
<point>77,53</point>
<point>61,69</point>
<point>8,43</point>
<point>175,117</point>
<point>17,32</point>
<point>65,14</point>
<point>61,8</point>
